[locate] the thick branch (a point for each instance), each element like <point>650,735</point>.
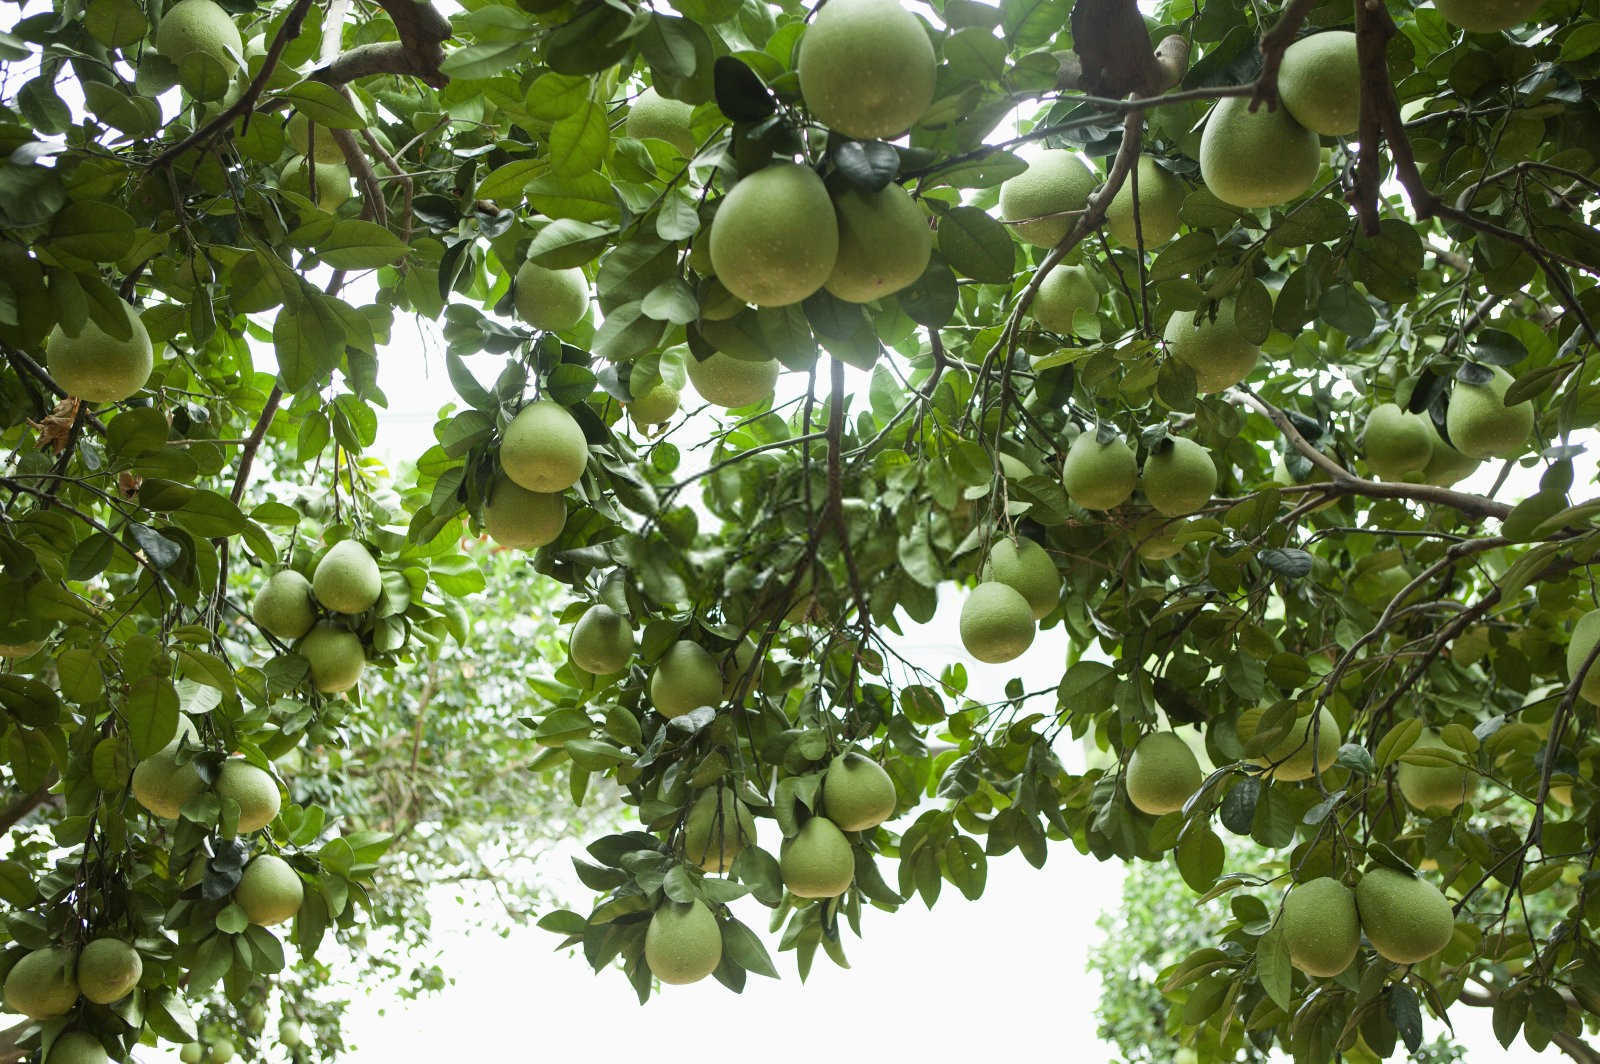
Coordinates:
<point>418,52</point>
<point>14,813</point>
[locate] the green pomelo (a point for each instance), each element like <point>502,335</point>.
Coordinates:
<point>774,239</point>
<point>655,406</point>
<point>1040,204</point>
<point>300,133</point>
<point>1446,466</point>
<point>289,1034</point>
<point>1161,193</point>
<point>335,655</point>
<point>1395,442</point>
<point>1180,479</point>
<point>996,623</point>
<point>41,985</point>
<point>1584,636</point>
<point>1257,160</point>
<point>162,785</point>
<point>332,182</point>
<point>1407,920</point>
<point>1320,83</point>
<point>602,641</point>
<point>270,891</point>
<point>78,1047</point>
<point>1099,476</point>
<point>685,679</point>
<point>866,68</point>
<point>729,382</point>
<point>1486,16</point>
<point>1481,425</point>
<point>1293,754</point>
<point>551,300</point>
<point>683,943</point>
<point>1063,292</point>
<point>884,243</point>
<point>203,43</point>
<point>97,368</point>
<point>222,1051</point>
<point>521,519</point>
<point>283,605</point>
<point>1214,348</point>
<point>1434,787</point>
<point>192,1053</point>
<point>1162,774</point>
<point>1027,567</point>
<point>717,828</point>
<point>817,862</point>
<point>544,448</point>
<point>347,580</point>
<point>255,791</point>
<point>653,116</point>
<point>1320,927</point>
<point>857,793</point>
<point>108,968</point>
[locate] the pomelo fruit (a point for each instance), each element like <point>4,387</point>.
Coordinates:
<point>203,43</point>
<point>97,368</point>
<point>77,1047</point>
<point>774,239</point>
<point>1213,347</point>
<point>42,984</point>
<point>653,116</point>
<point>253,789</point>
<point>1434,788</point>
<point>551,300</point>
<point>1180,479</point>
<point>347,580</point>
<point>1027,567</point>
<point>1486,16</point>
<point>996,623</point>
<point>544,448</point>
<point>729,382</point>
<point>1395,442</point>
<point>161,784</point>
<point>857,794</point>
<point>685,678</point>
<point>817,862</point>
<point>1064,291</point>
<point>1161,193</point>
<point>1099,476</point>
<point>655,406</point>
<point>283,605</point>
<point>1319,82</point>
<point>332,182</point>
<point>884,243</point>
<point>602,641</point>
<point>270,891</point>
<point>1584,636</point>
<point>1162,773</point>
<point>1482,425</point>
<point>683,943</point>
<point>1257,160</point>
<point>866,68</point>
<point>1446,466</point>
<point>1293,754</point>
<point>717,828</point>
<point>335,655</point>
<point>222,1051</point>
<point>1040,204</point>
<point>1407,920</point>
<point>108,968</point>
<point>290,1034</point>
<point>1320,926</point>
<point>192,1053</point>
<point>521,519</point>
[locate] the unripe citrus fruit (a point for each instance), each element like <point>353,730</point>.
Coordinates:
<point>996,623</point>
<point>884,243</point>
<point>1446,466</point>
<point>347,580</point>
<point>1257,160</point>
<point>254,790</point>
<point>1162,774</point>
<point>1320,927</point>
<point>222,1051</point>
<point>544,448</point>
<point>1395,442</point>
<point>41,985</point>
<point>1179,479</point>
<point>1214,348</point>
<point>655,406</point>
<point>1407,920</point>
<point>1482,425</point>
<point>203,43</point>
<point>290,1034</point>
<point>729,382</point>
<point>717,828</point>
<point>683,943</point>
<point>1320,82</point>
<point>1041,202</point>
<point>97,368</point>
<point>654,116</point>
<point>774,239</point>
<point>192,1053</point>
<point>1434,787</point>
<point>1486,16</point>
<point>1161,193</point>
<point>77,1047</point>
<point>551,300</point>
<point>1064,291</point>
<point>866,68</point>
<point>1584,636</point>
<point>1293,755</point>
<point>522,519</point>
<point>332,181</point>
<point>817,862</point>
<point>270,891</point>
<point>857,793</point>
<point>602,641</point>
<point>283,605</point>
<point>1099,476</point>
<point>108,968</point>
<point>1027,567</point>
<point>162,785</point>
<point>685,679</point>
<point>335,655</point>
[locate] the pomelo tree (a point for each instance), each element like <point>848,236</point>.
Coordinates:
<point>711,373</point>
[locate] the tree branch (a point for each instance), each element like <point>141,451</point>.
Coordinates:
<point>418,52</point>
<point>14,813</point>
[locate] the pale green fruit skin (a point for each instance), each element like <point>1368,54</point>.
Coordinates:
<point>1481,425</point>
<point>333,182</point>
<point>283,605</point>
<point>78,1047</point>
<point>857,793</point>
<point>108,968</point>
<point>1055,182</point>
<point>654,116</point>
<point>1027,567</point>
<point>336,656</point>
<point>192,1053</point>
<point>1257,160</point>
<point>1406,920</point>
<point>41,985</point>
<point>1320,927</point>
<point>1213,347</point>
<point>298,132</point>
<point>866,68</point>
<point>1162,774</point>
<point>1161,193</point>
<point>544,448</point>
<point>521,519</point>
<point>602,641</point>
<point>655,406</point>
<point>683,943</point>
<point>1446,466</point>
<point>1293,754</point>
<point>774,239</point>
<point>290,1034</point>
<point>1099,476</point>
<point>1320,82</point>
<point>94,367</point>
<point>1396,442</point>
<point>712,841</point>
<point>729,382</point>
<point>270,891</point>
<point>996,623</point>
<point>199,27</point>
<point>551,300</point>
<point>162,785</point>
<point>817,862</point>
<point>884,243</point>
<point>1584,636</point>
<point>347,579</point>
<point>254,790</point>
<point>1486,16</point>
<point>1180,480</point>
<point>222,1051</point>
<point>685,679</point>
<point>1063,292</point>
<point>1434,788</point>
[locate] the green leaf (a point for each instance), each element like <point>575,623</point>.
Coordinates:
<point>151,715</point>
<point>1274,968</point>
<point>354,244</point>
<point>977,245</point>
<point>483,59</point>
<point>578,142</point>
<point>98,232</point>
<point>741,945</point>
<point>324,105</point>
